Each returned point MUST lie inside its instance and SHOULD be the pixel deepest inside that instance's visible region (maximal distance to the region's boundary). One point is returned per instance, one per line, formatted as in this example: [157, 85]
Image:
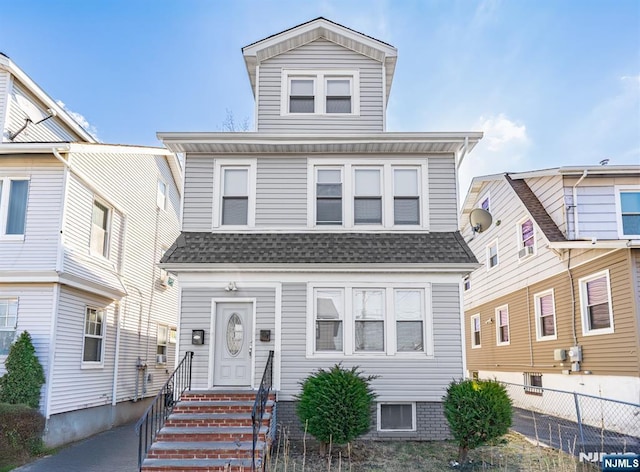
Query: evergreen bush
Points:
[335, 405]
[21, 430]
[24, 377]
[477, 411]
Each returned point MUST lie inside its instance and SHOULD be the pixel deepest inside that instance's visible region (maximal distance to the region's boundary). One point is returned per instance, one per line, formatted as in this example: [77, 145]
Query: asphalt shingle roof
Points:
[317, 248]
[536, 210]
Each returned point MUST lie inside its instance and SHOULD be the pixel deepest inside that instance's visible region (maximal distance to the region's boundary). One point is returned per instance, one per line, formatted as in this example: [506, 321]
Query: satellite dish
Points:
[480, 220]
[33, 112]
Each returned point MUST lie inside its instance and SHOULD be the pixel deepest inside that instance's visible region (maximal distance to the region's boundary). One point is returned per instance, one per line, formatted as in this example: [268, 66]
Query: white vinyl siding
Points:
[595, 304]
[321, 55]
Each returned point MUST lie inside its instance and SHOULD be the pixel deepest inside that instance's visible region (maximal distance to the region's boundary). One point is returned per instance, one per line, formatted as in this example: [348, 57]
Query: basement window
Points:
[396, 416]
[533, 383]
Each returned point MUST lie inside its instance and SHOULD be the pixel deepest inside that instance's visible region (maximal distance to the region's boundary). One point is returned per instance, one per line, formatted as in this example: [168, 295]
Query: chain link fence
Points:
[583, 425]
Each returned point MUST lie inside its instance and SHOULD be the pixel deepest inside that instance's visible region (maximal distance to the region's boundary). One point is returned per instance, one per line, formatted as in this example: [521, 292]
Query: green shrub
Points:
[477, 411]
[335, 404]
[24, 377]
[21, 430]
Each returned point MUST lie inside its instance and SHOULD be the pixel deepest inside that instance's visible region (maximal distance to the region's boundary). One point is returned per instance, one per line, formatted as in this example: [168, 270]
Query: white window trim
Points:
[319, 78]
[583, 304]
[618, 190]
[389, 322]
[166, 344]
[348, 190]
[15, 328]
[520, 241]
[536, 298]
[473, 344]
[109, 228]
[93, 364]
[413, 417]
[220, 164]
[485, 196]
[487, 257]
[4, 207]
[497, 318]
[166, 194]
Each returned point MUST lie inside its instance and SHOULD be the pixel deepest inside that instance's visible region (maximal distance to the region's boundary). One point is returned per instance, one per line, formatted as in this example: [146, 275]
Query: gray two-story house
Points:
[322, 237]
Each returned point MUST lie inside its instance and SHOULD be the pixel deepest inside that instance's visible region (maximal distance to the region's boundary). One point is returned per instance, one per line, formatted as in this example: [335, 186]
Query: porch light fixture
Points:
[231, 287]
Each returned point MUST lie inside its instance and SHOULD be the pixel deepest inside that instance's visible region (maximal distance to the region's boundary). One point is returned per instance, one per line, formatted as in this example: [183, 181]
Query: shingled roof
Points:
[536, 210]
[318, 248]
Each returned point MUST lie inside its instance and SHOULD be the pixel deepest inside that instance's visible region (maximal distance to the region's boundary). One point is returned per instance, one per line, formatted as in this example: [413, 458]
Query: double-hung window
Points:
[475, 331]
[161, 344]
[8, 323]
[595, 303]
[330, 92]
[406, 197]
[367, 199]
[368, 314]
[628, 203]
[329, 197]
[545, 315]
[94, 327]
[408, 307]
[492, 255]
[100, 221]
[235, 196]
[13, 207]
[502, 325]
[328, 315]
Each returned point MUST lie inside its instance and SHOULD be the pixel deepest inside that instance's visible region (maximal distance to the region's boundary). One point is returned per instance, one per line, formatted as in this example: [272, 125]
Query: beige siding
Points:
[320, 55]
[38, 250]
[605, 354]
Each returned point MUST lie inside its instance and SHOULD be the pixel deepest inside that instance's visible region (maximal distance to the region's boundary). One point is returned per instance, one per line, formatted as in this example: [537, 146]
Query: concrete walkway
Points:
[111, 451]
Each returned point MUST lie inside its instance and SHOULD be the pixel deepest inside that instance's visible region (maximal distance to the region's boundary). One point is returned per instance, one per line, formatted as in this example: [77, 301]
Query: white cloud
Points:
[632, 79]
[502, 149]
[80, 119]
[500, 132]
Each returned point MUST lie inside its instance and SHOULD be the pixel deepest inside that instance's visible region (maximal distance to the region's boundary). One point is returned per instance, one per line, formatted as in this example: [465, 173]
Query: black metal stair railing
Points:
[162, 405]
[260, 404]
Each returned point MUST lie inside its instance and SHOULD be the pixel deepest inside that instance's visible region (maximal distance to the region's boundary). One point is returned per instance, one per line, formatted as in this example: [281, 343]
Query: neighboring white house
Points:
[322, 237]
[556, 303]
[82, 227]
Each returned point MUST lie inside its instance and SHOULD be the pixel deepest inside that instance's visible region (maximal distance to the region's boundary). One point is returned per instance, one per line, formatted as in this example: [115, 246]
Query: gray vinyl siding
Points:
[51, 130]
[281, 193]
[130, 180]
[35, 309]
[596, 211]
[399, 379]
[198, 193]
[72, 386]
[4, 95]
[320, 55]
[443, 209]
[196, 314]
[38, 250]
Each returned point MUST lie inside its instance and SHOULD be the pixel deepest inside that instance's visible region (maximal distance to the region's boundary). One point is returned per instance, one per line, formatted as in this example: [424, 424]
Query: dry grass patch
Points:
[512, 453]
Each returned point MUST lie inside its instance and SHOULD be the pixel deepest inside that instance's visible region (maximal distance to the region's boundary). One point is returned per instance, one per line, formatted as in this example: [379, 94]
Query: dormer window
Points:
[320, 92]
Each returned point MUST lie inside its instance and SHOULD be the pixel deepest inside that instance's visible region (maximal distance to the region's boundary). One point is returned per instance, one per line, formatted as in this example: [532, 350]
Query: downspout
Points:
[114, 390]
[529, 326]
[576, 232]
[573, 300]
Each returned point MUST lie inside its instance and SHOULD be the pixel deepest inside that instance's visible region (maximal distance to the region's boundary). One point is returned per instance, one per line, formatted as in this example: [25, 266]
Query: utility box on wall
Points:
[575, 354]
[197, 336]
[560, 355]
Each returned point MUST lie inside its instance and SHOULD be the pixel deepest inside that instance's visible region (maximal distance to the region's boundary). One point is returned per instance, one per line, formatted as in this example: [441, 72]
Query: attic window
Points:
[320, 92]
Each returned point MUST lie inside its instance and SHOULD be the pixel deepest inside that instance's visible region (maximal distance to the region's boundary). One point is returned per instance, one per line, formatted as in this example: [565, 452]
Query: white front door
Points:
[233, 344]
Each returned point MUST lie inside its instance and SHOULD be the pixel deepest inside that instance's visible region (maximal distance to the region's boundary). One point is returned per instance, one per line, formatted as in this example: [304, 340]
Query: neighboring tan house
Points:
[322, 237]
[82, 227]
[556, 303]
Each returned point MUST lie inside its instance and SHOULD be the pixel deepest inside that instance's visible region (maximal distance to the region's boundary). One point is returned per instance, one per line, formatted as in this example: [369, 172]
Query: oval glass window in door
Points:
[235, 335]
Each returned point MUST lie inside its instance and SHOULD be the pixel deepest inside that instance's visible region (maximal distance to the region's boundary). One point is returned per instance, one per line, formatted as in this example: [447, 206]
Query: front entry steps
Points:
[210, 431]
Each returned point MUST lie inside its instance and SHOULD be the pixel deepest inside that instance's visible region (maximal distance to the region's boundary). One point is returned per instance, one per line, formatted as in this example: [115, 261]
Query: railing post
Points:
[578, 416]
[190, 365]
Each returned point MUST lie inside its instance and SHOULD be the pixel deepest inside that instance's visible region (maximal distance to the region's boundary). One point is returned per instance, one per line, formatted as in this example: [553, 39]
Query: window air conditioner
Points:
[161, 359]
[165, 280]
[525, 252]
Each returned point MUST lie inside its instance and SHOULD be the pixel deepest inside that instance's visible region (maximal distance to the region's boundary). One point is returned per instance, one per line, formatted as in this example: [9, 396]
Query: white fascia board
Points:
[474, 189]
[42, 277]
[611, 244]
[8, 65]
[335, 268]
[33, 148]
[91, 287]
[600, 170]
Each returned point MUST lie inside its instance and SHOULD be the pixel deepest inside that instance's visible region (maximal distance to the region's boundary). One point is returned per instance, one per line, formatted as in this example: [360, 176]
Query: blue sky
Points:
[549, 82]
